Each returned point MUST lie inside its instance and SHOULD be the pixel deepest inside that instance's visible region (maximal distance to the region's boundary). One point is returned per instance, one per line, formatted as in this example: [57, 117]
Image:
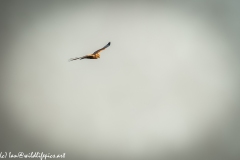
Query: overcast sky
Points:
[166, 88]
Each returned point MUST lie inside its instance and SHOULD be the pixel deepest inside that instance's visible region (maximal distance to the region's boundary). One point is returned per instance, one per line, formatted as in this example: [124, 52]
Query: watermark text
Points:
[40, 155]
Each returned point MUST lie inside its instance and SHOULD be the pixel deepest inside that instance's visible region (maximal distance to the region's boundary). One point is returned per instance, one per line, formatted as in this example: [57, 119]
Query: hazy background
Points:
[167, 88]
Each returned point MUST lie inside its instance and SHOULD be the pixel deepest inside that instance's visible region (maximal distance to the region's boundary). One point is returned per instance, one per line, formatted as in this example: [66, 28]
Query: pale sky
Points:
[166, 88]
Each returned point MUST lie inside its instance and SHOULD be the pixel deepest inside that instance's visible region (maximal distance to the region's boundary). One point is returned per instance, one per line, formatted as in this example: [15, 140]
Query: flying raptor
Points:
[95, 55]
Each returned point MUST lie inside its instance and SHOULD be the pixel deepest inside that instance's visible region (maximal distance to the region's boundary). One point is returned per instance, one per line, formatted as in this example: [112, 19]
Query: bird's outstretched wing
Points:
[72, 59]
[109, 43]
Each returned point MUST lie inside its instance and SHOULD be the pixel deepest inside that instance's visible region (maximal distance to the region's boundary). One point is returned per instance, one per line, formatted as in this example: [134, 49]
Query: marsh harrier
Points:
[95, 55]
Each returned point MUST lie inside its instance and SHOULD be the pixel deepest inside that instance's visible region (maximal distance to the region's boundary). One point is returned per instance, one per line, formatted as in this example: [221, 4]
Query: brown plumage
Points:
[95, 55]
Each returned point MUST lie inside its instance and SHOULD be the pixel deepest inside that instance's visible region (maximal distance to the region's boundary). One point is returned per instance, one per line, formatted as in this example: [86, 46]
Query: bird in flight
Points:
[95, 55]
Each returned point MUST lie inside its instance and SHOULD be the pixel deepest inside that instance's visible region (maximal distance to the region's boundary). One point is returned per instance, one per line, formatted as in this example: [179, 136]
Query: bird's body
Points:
[95, 55]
